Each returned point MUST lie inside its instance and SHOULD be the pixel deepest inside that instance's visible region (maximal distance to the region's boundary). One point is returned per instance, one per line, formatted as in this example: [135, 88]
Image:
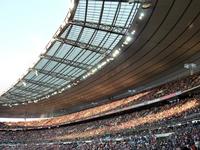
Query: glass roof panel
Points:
[63, 50]
[94, 10]
[86, 35]
[109, 12]
[41, 63]
[47, 78]
[95, 59]
[74, 32]
[84, 56]
[51, 65]
[100, 36]
[80, 11]
[76, 49]
[54, 48]
[75, 53]
[66, 31]
[132, 14]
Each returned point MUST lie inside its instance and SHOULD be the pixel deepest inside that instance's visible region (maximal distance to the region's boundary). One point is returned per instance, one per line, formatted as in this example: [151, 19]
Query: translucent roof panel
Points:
[87, 39]
[109, 12]
[74, 32]
[94, 11]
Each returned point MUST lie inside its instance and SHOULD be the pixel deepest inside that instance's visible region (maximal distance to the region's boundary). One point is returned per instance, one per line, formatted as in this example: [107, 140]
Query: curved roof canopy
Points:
[87, 40]
[151, 44]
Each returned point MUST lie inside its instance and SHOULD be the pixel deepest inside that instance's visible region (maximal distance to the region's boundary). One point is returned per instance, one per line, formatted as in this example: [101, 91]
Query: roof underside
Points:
[166, 38]
[86, 40]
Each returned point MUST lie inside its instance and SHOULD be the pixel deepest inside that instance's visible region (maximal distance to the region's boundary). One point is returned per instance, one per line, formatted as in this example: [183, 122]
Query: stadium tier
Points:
[144, 98]
[117, 74]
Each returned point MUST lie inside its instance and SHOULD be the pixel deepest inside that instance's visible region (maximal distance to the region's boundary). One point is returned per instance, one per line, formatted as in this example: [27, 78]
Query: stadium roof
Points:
[104, 47]
[86, 41]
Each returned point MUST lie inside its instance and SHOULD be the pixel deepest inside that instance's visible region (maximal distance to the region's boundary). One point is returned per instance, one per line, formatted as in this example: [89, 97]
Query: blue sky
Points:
[26, 26]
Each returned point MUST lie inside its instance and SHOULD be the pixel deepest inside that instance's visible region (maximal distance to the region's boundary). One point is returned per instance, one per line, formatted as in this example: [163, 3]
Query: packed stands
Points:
[168, 124]
[186, 136]
[154, 116]
[102, 49]
[162, 91]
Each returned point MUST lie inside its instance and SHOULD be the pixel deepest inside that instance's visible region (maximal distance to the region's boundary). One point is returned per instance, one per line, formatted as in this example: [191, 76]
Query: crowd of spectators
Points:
[186, 136]
[167, 125]
[163, 90]
[133, 121]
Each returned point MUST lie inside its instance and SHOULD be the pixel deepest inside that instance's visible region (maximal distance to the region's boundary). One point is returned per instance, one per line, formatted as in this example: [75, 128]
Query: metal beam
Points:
[103, 27]
[18, 95]
[112, 0]
[14, 98]
[55, 74]
[4, 99]
[81, 45]
[43, 84]
[28, 90]
[67, 62]
[125, 1]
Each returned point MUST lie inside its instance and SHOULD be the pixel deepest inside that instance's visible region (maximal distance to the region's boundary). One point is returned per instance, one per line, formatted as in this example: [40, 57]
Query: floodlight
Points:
[24, 83]
[141, 16]
[146, 5]
[133, 32]
[115, 53]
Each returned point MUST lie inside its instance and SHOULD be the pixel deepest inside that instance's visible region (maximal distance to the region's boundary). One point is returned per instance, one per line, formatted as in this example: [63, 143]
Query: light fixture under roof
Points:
[115, 53]
[141, 16]
[35, 101]
[36, 72]
[191, 67]
[24, 83]
[71, 5]
[133, 32]
[146, 5]
[94, 70]
[42, 55]
[128, 39]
